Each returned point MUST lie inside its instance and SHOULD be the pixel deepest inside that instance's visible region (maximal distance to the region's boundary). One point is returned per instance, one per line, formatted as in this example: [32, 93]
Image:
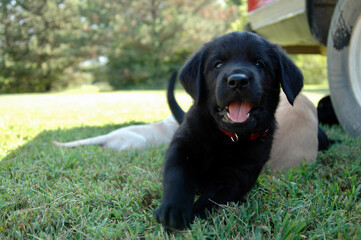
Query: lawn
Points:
[93, 193]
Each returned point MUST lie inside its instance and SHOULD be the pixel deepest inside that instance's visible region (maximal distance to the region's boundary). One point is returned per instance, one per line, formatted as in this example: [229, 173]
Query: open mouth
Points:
[236, 112]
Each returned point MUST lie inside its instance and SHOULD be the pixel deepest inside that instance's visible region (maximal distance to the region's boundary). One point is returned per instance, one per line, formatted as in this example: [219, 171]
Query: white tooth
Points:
[248, 115]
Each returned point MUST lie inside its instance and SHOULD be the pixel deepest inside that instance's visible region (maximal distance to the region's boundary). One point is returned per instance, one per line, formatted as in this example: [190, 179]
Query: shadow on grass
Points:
[50, 191]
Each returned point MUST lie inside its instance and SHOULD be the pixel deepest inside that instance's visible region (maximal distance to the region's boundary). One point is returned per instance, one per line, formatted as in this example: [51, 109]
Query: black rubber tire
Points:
[345, 96]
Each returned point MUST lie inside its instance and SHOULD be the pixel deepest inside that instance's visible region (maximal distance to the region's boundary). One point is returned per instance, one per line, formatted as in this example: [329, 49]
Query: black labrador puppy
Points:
[226, 137]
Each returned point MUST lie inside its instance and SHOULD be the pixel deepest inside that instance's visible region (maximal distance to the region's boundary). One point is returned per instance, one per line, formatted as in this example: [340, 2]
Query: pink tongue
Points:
[238, 112]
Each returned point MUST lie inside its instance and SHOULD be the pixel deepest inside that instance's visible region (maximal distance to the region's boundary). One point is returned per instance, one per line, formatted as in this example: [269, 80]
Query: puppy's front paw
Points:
[172, 216]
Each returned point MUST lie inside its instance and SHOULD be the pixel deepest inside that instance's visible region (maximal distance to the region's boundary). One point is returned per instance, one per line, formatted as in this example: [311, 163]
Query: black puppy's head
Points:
[237, 77]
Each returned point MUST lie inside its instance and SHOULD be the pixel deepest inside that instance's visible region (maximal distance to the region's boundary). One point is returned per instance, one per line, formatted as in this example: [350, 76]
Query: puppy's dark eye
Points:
[218, 65]
[260, 64]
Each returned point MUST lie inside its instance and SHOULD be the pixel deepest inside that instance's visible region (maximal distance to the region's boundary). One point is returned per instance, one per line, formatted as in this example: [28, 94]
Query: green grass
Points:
[92, 193]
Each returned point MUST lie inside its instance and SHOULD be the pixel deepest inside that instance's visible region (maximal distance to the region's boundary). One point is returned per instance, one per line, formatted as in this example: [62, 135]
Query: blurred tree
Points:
[48, 44]
[42, 42]
[151, 38]
[38, 41]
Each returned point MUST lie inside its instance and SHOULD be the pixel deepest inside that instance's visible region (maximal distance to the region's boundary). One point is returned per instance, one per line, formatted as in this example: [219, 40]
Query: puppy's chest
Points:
[234, 155]
[226, 164]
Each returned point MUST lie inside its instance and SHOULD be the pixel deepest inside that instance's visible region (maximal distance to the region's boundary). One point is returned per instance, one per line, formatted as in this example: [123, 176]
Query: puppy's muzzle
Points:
[238, 81]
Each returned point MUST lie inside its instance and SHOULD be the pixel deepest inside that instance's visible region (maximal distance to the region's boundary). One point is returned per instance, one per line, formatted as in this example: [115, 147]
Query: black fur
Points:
[326, 115]
[203, 160]
[324, 142]
[176, 110]
[325, 112]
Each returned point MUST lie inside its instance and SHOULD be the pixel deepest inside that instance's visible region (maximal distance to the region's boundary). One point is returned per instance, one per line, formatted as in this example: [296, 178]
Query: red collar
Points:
[253, 136]
[233, 136]
[257, 135]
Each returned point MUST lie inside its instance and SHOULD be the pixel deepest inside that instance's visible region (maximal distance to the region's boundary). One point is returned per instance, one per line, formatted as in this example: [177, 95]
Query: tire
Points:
[344, 64]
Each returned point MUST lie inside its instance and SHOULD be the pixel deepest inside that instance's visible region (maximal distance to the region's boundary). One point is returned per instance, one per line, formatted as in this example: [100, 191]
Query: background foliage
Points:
[39, 40]
[49, 45]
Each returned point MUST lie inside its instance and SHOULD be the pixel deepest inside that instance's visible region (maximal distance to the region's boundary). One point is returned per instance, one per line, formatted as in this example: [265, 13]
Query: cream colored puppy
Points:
[295, 140]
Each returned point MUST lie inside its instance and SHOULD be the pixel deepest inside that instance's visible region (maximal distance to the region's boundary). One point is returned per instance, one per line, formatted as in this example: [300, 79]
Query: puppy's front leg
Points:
[176, 211]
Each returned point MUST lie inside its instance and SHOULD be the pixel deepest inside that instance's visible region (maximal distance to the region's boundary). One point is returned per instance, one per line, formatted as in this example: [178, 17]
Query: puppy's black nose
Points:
[238, 80]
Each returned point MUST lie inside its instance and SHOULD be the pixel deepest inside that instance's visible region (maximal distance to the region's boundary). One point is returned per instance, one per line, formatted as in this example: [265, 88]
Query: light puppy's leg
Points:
[131, 137]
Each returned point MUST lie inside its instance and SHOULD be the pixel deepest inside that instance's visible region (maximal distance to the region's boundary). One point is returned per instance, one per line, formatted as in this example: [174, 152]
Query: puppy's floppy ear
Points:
[291, 77]
[191, 76]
